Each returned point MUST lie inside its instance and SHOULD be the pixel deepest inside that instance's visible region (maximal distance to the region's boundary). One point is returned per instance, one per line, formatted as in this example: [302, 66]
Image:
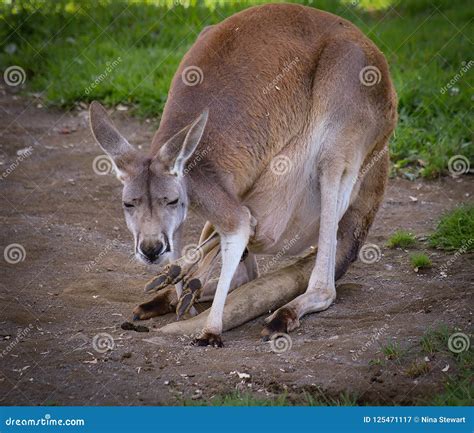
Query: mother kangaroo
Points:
[276, 128]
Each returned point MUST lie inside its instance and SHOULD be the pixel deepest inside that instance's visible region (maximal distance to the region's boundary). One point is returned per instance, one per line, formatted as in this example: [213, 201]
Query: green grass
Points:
[65, 45]
[455, 230]
[401, 239]
[420, 261]
[418, 368]
[392, 351]
[239, 399]
[248, 399]
[377, 361]
[435, 340]
[458, 387]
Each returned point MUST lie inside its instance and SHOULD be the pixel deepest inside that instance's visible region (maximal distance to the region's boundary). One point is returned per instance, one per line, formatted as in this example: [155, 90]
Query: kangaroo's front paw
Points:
[158, 306]
[171, 274]
[191, 291]
[208, 339]
[280, 322]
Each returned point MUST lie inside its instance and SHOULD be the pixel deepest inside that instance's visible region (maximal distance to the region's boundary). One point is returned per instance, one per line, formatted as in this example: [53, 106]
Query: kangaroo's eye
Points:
[128, 205]
[172, 203]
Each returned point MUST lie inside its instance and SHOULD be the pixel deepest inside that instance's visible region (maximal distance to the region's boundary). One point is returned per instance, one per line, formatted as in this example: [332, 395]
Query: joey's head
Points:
[154, 196]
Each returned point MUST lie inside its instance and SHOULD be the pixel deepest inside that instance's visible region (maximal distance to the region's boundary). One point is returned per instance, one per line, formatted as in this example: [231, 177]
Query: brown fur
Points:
[279, 80]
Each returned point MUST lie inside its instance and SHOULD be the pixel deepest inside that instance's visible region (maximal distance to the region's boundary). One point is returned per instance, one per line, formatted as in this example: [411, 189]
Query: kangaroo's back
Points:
[256, 73]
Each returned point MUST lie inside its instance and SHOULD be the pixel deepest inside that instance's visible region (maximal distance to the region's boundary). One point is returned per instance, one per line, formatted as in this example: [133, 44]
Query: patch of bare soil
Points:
[62, 306]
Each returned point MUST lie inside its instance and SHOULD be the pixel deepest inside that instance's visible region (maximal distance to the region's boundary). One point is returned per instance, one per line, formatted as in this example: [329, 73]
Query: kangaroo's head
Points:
[154, 197]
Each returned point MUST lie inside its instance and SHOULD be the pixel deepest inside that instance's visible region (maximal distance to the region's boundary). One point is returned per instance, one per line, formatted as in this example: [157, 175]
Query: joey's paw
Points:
[208, 339]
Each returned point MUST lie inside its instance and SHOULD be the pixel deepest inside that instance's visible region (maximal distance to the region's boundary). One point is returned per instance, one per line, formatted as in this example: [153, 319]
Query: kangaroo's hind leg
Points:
[356, 222]
[351, 233]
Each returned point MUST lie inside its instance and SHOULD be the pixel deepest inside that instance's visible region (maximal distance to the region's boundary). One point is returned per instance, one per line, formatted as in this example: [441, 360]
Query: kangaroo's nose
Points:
[152, 250]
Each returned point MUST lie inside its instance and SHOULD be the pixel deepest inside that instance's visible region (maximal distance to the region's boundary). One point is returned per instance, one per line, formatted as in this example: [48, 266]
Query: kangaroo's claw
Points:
[171, 275]
[208, 339]
[190, 293]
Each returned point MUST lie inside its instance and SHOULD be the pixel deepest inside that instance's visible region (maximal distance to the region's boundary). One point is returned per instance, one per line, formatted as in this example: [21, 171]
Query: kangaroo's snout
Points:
[153, 250]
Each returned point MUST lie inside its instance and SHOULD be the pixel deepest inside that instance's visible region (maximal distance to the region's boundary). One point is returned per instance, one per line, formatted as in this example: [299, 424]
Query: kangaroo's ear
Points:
[179, 148]
[120, 151]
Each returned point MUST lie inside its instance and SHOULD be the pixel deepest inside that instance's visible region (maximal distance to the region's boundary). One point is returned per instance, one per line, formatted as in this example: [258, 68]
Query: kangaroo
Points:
[289, 112]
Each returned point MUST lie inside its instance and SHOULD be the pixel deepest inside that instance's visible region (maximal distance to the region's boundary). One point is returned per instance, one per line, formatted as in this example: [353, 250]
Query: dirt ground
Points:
[77, 282]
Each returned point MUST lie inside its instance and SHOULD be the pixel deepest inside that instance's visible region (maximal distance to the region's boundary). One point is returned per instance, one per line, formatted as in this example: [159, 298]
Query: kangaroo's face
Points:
[154, 197]
[155, 204]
